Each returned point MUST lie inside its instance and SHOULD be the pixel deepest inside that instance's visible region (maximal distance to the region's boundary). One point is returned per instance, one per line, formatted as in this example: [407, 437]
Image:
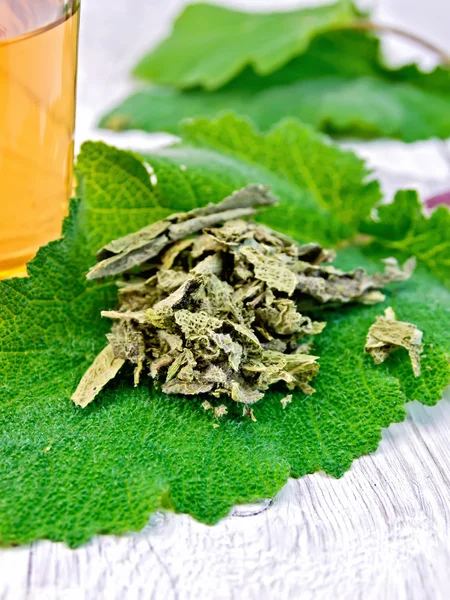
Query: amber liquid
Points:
[38, 63]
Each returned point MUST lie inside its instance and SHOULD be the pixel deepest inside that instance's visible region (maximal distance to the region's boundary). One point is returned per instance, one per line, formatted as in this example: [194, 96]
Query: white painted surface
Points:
[380, 532]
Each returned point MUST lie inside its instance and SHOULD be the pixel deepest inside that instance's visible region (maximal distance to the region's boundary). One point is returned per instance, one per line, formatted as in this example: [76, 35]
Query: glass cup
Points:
[38, 66]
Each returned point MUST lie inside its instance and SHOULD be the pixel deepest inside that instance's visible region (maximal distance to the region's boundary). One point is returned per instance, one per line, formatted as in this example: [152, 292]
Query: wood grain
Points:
[380, 532]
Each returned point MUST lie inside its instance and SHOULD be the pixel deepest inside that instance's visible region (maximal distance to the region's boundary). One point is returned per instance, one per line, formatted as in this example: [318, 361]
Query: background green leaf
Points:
[209, 44]
[402, 228]
[66, 473]
[324, 191]
[339, 85]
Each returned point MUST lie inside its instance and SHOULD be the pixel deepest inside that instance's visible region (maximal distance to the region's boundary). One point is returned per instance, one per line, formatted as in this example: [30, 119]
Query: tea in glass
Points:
[38, 65]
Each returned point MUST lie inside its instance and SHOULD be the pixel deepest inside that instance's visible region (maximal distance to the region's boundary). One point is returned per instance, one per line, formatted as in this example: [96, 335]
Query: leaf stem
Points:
[366, 25]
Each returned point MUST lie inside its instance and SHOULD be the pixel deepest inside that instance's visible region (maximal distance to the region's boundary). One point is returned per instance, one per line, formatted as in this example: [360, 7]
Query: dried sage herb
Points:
[104, 368]
[212, 304]
[387, 334]
[139, 247]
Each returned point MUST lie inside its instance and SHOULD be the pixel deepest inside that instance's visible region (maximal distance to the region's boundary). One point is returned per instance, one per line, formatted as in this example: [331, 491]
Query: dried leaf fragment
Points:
[104, 368]
[286, 400]
[271, 270]
[219, 411]
[328, 285]
[248, 412]
[388, 334]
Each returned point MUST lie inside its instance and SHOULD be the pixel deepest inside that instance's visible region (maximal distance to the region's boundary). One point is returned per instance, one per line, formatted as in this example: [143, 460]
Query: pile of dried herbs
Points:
[212, 304]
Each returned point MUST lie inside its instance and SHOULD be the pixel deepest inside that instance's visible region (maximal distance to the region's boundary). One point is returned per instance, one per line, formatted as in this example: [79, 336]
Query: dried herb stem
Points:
[367, 25]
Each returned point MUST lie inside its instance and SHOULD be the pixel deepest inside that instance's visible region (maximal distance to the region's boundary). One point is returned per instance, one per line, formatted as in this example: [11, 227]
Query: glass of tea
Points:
[38, 65]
